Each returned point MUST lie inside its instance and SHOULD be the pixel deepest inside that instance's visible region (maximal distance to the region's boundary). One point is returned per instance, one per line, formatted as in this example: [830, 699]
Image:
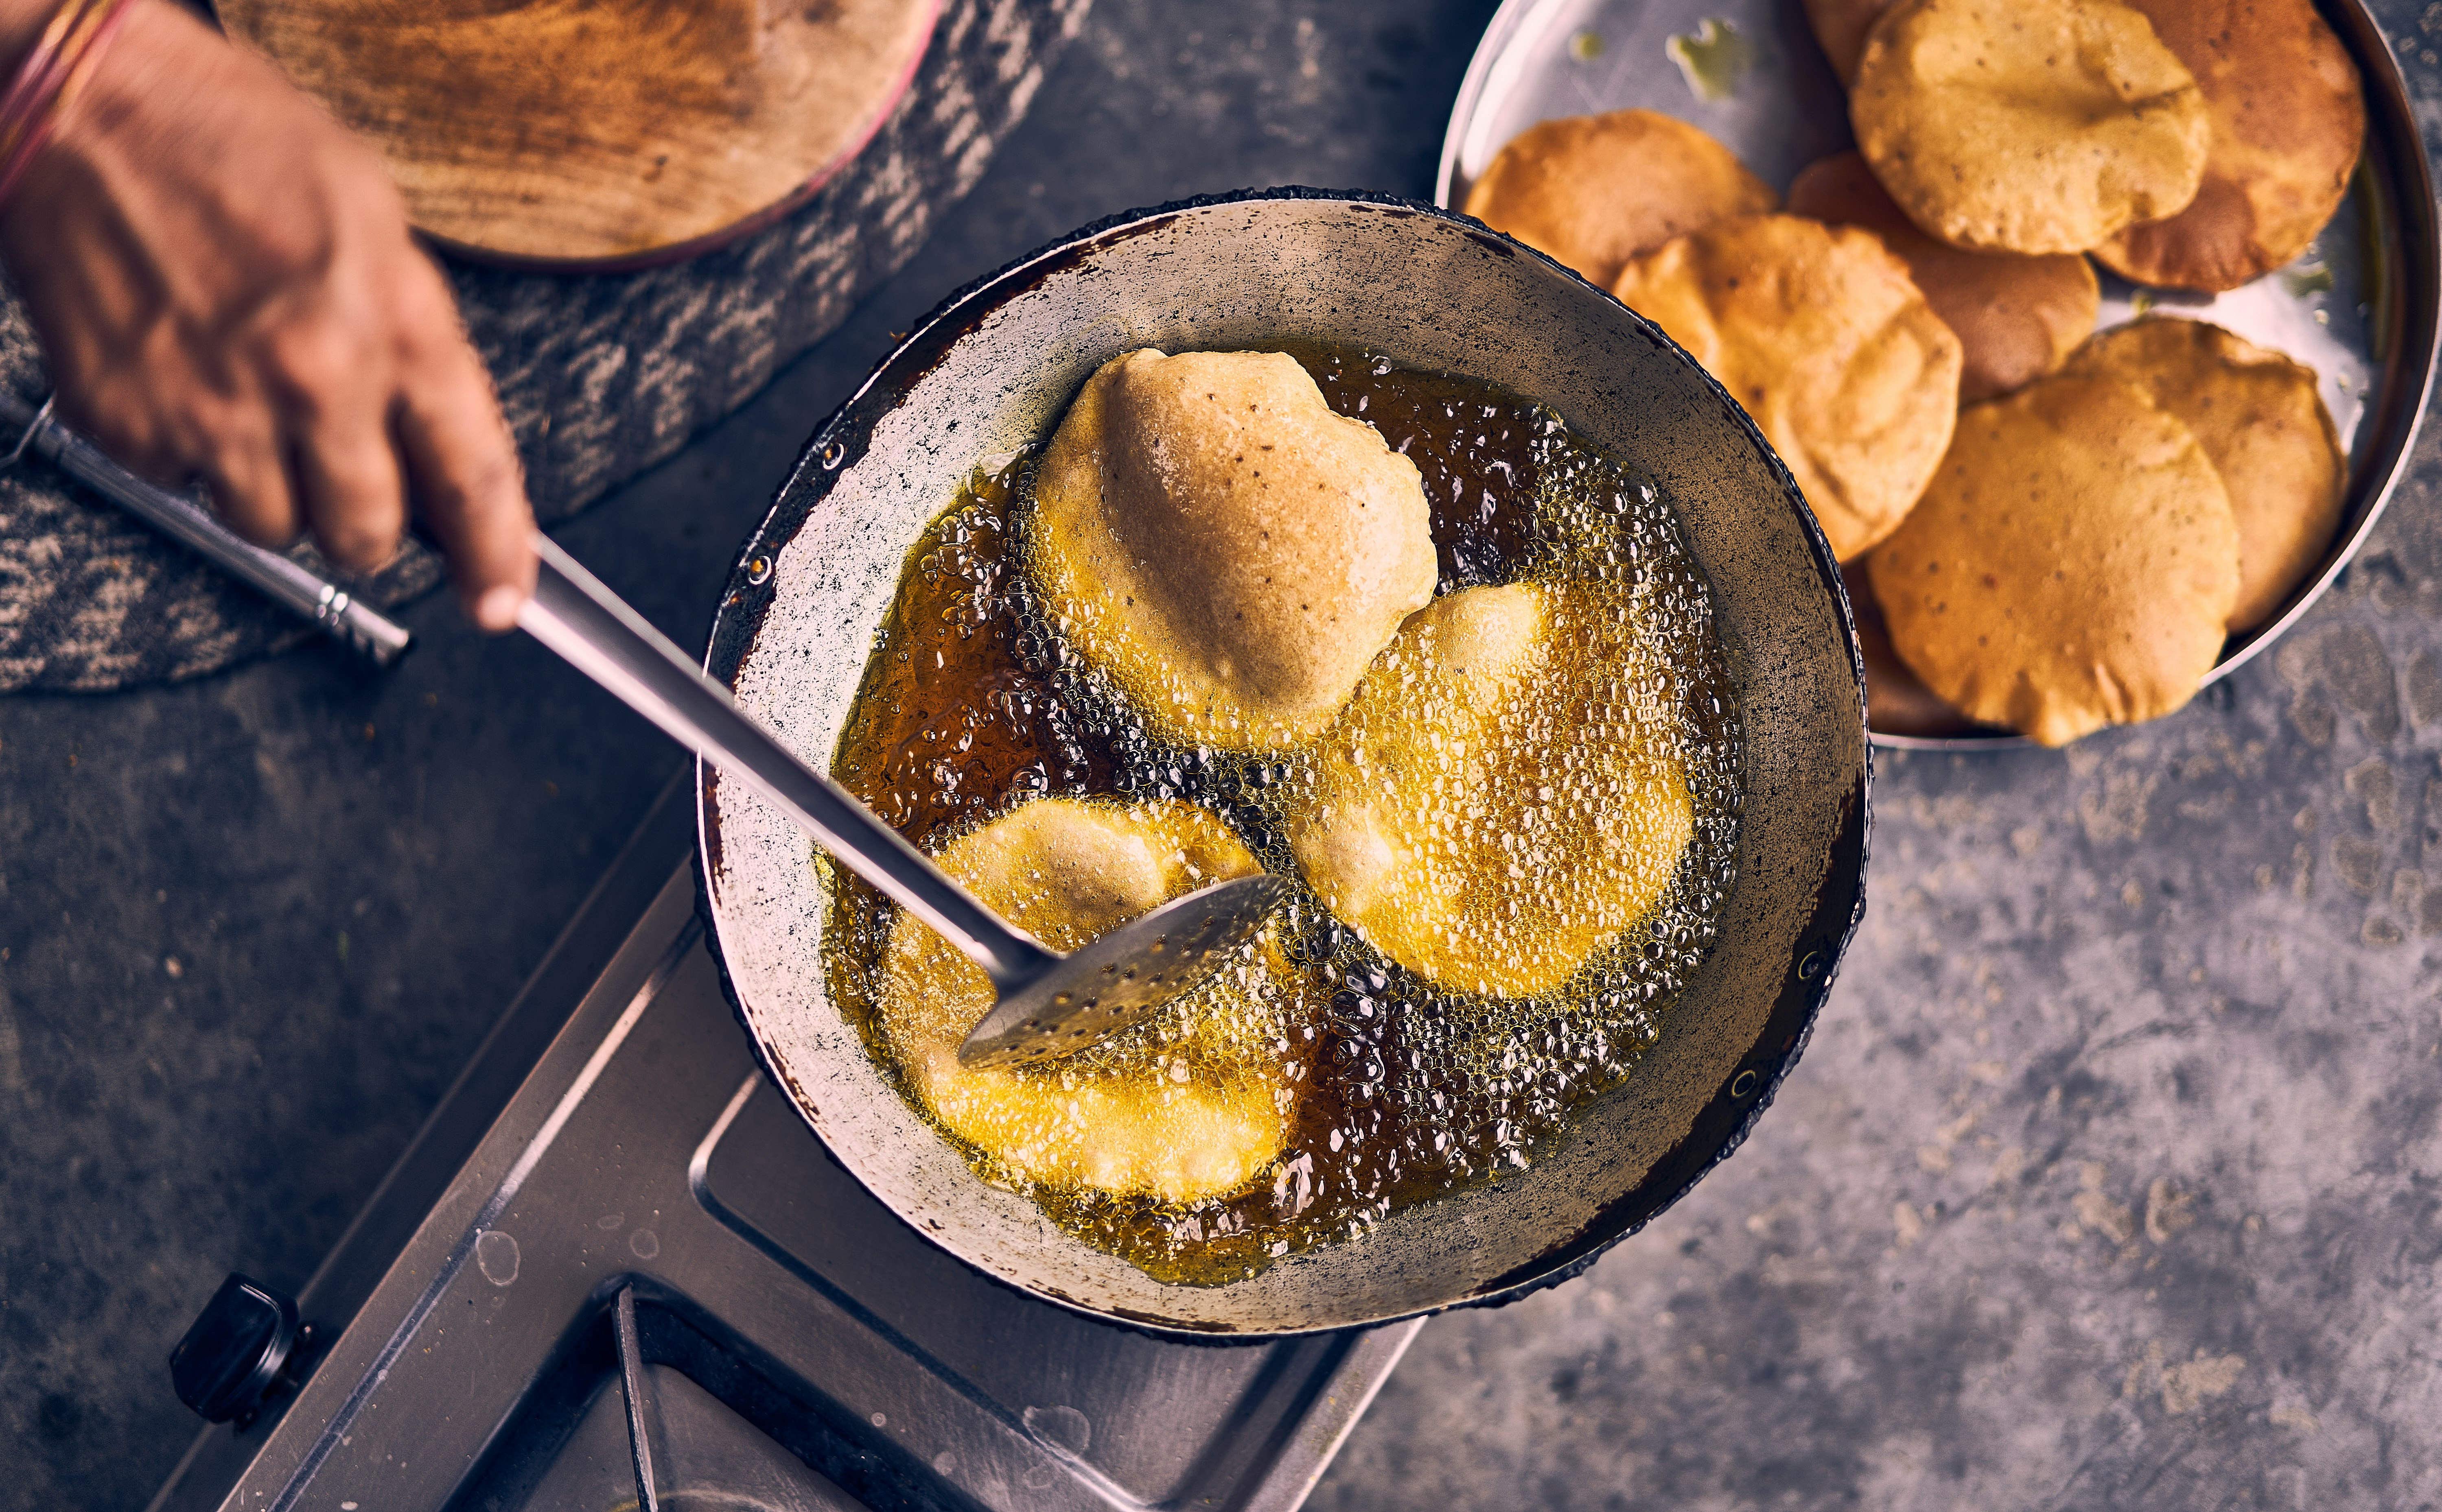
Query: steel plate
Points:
[2359, 307]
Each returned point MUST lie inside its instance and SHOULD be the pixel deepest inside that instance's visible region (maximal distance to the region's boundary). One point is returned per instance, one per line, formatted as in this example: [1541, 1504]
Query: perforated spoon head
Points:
[1124, 976]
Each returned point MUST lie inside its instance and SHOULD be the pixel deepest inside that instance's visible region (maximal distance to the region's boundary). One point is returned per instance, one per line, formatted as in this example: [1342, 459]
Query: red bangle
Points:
[47, 80]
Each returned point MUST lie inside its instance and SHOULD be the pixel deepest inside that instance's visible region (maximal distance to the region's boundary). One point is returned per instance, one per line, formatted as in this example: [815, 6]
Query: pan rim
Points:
[1726, 1117]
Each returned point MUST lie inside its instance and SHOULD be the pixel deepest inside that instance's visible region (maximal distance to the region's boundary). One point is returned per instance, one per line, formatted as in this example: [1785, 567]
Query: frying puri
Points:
[2288, 119]
[2016, 317]
[1398, 1088]
[2031, 126]
[1188, 1105]
[1498, 803]
[1595, 191]
[2262, 422]
[2075, 564]
[1229, 551]
[1824, 337]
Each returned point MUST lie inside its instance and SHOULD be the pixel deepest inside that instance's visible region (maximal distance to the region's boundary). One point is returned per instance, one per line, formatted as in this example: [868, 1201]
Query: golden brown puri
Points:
[2287, 120]
[2072, 566]
[1840, 25]
[2016, 317]
[2028, 127]
[1595, 191]
[1897, 700]
[1491, 809]
[1227, 549]
[2262, 422]
[1189, 1104]
[1820, 333]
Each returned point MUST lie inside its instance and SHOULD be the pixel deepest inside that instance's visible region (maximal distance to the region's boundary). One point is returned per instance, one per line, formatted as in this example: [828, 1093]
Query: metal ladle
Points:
[1051, 1005]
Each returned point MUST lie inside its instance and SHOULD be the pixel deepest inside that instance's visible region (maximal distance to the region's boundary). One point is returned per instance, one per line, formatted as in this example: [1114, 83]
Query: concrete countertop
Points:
[2112, 1178]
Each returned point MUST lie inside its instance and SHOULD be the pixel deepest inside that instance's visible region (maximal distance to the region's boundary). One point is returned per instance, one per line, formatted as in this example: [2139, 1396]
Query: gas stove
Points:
[616, 1270]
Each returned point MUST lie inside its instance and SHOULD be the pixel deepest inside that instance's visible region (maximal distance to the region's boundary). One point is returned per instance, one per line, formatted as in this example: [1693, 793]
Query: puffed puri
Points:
[1822, 335]
[2016, 317]
[1229, 551]
[2261, 420]
[1499, 803]
[2031, 126]
[2289, 120]
[1595, 191]
[1185, 1106]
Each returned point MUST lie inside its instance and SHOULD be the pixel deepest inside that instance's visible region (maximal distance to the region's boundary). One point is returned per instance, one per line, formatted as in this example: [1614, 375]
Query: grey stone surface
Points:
[2109, 1181]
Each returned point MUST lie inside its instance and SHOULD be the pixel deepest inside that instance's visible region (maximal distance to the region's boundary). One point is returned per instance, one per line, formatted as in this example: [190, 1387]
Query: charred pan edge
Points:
[841, 440]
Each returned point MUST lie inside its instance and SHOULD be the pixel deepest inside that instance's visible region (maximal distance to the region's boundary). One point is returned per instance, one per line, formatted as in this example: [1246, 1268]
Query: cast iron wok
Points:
[988, 375]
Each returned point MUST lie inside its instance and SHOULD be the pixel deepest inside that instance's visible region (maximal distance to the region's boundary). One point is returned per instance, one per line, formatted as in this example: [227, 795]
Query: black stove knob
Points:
[235, 1351]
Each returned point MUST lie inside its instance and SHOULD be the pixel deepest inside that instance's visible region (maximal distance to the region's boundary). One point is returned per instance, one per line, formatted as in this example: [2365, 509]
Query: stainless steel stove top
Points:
[616, 1270]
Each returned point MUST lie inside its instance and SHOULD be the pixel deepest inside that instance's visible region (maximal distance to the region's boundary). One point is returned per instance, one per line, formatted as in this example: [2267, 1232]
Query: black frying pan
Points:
[989, 373]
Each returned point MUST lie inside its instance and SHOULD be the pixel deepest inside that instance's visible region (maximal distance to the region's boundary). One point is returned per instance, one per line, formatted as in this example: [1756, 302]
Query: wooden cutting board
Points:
[598, 134]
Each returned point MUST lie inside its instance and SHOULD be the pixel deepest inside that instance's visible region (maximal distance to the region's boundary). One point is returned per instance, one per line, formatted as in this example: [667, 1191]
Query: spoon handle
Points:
[372, 634]
[599, 635]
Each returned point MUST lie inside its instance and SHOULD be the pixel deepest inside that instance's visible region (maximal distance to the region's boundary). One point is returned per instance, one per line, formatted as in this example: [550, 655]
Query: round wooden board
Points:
[598, 134]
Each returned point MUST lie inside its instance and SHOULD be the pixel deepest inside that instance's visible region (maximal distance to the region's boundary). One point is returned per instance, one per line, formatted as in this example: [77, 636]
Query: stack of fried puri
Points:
[2287, 120]
[2192, 143]
[1850, 352]
[2091, 540]
[2262, 425]
[2196, 143]
[2073, 565]
[1821, 334]
[2016, 317]
[2093, 495]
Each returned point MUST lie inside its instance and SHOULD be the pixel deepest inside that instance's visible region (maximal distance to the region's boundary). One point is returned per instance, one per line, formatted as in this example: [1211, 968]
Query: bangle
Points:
[47, 80]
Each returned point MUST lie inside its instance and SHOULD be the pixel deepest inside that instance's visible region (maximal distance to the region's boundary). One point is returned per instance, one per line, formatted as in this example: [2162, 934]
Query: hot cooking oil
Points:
[1408, 1088]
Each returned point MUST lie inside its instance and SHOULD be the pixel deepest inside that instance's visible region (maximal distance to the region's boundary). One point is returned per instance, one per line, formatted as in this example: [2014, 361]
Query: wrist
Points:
[41, 99]
[21, 23]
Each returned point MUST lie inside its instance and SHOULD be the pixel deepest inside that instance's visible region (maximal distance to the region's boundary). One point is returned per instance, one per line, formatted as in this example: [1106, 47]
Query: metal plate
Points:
[2359, 307]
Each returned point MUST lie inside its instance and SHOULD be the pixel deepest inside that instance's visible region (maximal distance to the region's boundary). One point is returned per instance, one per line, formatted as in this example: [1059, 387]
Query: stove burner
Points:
[616, 1270]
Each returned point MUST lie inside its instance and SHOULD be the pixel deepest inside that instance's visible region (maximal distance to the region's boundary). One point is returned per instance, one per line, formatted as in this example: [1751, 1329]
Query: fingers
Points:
[332, 391]
[463, 466]
[312, 452]
[248, 476]
[298, 439]
[355, 499]
[237, 448]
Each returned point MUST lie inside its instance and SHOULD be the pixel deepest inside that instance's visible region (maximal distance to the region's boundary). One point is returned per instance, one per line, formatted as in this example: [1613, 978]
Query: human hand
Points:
[225, 287]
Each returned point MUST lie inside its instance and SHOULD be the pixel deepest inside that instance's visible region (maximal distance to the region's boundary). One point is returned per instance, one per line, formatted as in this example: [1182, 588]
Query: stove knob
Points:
[235, 1351]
